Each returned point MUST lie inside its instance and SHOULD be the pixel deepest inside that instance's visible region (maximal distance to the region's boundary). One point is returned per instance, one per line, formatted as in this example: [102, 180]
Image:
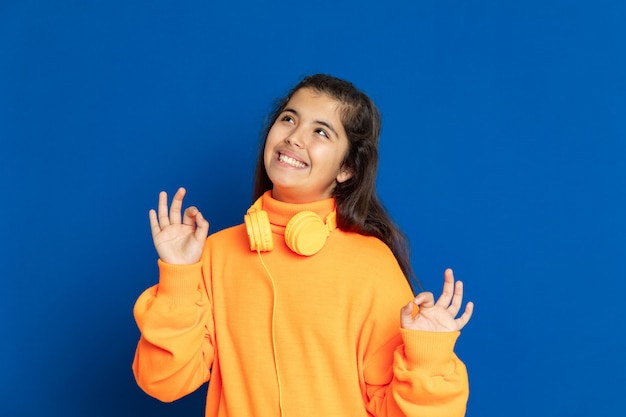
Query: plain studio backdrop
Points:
[503, 156]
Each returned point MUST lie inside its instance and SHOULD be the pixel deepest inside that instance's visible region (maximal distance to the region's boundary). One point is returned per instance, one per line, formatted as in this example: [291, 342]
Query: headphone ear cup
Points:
[259, 231]
[306, 233]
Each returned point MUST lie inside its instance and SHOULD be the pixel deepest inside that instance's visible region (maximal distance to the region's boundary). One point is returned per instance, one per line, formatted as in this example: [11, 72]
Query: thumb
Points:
[202, 230]
[406, 315]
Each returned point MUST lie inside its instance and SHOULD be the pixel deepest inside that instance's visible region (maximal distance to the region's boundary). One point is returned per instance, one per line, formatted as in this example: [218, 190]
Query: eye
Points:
[287, 118]
[322, 132]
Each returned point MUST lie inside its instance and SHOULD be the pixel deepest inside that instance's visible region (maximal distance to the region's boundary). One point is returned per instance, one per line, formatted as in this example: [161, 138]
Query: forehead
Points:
[307, 99]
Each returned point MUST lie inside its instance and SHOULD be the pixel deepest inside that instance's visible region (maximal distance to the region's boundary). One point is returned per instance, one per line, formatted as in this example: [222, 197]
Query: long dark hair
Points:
[358, 207]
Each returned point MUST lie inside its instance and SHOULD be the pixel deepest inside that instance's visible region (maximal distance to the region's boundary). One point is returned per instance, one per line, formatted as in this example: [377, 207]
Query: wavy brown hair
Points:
[358, 207]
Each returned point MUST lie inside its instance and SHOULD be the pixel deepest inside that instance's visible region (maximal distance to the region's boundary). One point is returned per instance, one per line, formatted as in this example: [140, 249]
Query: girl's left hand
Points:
[439, 316]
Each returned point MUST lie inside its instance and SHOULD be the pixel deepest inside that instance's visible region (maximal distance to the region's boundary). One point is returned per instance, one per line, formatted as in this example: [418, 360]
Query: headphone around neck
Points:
[305, 233]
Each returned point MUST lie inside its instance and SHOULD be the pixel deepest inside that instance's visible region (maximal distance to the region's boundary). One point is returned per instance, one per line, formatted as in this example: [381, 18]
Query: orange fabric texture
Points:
[314, 335]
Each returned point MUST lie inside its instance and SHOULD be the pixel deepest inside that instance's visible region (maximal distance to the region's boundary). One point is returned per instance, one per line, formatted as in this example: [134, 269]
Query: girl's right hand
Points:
[178, 239]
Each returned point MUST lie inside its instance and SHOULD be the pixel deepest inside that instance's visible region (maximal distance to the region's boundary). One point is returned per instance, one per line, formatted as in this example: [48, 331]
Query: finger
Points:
[465, 317]
[202, 231]
[164, 219]
[448, 289]
[154, 223]
[190, 215]
[177, 206]
[457, 299]
[425, 300]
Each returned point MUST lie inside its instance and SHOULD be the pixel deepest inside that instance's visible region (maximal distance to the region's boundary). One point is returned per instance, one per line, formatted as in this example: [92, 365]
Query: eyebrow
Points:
[320, 122]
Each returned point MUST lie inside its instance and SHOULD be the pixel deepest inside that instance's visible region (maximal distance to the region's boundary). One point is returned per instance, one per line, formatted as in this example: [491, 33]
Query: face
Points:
[305, 148]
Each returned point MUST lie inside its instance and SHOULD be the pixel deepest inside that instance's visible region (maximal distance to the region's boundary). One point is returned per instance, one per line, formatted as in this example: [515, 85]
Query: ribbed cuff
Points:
[180, 283]
[429, 350]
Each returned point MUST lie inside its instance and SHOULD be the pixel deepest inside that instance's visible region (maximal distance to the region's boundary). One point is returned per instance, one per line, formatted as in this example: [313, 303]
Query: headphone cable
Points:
[280, 396]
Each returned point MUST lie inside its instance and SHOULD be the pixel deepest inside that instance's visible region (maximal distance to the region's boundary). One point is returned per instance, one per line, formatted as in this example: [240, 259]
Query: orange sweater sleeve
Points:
[428, 380]
[176, 348]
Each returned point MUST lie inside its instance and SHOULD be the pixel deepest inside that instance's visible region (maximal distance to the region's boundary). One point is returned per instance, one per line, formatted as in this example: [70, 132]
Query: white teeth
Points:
[289, 160]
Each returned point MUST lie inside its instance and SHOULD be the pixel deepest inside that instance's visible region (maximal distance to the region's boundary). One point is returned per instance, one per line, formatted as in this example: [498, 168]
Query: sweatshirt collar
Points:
[280, 212]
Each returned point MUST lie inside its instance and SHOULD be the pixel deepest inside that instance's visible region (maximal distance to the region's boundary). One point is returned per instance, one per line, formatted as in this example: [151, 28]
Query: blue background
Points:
[502, 155]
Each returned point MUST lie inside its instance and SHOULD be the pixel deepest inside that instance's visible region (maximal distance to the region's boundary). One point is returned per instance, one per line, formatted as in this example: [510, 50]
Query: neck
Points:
[295, 197]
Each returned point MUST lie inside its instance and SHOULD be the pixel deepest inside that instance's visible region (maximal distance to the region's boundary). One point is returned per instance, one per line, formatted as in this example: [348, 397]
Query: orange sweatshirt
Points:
[314, 335]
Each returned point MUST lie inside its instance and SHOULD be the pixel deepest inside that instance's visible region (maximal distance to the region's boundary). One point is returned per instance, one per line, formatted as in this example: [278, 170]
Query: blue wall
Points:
[503, 156]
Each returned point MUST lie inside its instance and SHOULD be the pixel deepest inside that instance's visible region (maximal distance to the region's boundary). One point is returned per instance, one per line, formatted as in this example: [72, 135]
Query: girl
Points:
[295, 311]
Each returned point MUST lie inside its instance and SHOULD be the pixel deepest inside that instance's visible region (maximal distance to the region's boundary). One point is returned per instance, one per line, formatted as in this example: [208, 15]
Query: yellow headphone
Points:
[305, 233]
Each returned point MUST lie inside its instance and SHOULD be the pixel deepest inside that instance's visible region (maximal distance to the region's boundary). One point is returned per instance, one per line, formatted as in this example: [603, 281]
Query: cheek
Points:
[271, 140]
[343, 156]
[331, 161]
[267, 153]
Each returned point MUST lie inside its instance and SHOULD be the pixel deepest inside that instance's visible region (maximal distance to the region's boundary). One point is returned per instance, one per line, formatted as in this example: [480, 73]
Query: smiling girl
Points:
[295, 311]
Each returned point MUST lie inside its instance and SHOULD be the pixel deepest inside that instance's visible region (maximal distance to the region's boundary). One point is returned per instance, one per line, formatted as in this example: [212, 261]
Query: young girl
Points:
[295, 311]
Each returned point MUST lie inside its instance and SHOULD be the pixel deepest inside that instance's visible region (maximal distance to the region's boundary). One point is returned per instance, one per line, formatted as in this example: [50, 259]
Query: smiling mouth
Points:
[290, 161]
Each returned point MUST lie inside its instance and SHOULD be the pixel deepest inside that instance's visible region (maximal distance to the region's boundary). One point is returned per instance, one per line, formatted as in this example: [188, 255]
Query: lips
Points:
[291, 161]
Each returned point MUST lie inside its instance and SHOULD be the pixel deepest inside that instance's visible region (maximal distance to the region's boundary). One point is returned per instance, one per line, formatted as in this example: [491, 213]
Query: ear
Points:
[344, 175]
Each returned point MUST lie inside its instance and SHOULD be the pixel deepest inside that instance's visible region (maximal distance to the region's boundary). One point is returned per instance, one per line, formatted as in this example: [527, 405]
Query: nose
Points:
[295, 139]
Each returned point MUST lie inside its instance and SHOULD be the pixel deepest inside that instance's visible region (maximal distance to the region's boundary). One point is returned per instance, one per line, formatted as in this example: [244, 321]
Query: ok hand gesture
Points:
[178, 239]
[439, 316]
